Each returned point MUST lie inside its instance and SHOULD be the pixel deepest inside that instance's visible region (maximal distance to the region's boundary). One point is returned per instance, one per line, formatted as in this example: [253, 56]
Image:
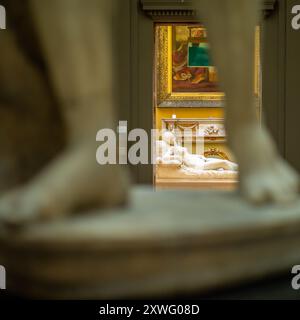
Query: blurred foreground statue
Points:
[55, 94]
[264, 176]
[71, 86]
[58, 65]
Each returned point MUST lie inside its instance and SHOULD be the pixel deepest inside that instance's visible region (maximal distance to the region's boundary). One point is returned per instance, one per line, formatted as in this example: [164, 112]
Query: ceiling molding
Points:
[166, 10]
[269, 6]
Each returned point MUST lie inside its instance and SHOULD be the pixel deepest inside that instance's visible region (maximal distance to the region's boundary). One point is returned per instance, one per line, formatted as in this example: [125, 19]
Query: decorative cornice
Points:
[169, 10]
[166, 10]
[172, 5]
[269, 6]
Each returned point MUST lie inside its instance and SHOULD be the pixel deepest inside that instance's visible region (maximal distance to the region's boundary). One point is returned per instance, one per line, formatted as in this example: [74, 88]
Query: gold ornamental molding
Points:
[212, 130]
[216, 153]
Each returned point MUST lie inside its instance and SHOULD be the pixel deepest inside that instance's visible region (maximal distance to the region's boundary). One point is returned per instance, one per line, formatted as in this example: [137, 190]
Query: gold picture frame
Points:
[164, 93]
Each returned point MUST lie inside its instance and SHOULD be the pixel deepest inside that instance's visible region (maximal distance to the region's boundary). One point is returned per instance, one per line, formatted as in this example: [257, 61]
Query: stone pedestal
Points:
[165, 242]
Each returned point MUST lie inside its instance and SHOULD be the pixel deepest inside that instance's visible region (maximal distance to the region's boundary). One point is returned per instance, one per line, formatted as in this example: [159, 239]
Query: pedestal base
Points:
[165, 242]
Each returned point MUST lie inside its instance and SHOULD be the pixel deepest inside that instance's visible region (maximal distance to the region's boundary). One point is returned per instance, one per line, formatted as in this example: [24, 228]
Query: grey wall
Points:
[292, 90]
[281, 86]
[133, 74]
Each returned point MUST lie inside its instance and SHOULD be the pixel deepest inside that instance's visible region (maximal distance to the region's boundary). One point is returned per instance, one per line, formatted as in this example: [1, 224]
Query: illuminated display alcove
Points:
[187, 96]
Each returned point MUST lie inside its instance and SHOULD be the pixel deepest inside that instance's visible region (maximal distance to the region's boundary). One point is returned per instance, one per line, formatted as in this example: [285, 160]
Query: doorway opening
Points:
[191, 149]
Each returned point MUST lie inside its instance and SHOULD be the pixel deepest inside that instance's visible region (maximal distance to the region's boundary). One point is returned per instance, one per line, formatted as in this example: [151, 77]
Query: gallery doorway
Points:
[188, 110]
[276, 55]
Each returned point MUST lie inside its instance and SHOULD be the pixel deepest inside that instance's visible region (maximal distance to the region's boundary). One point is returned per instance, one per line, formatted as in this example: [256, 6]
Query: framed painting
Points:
[184, 73]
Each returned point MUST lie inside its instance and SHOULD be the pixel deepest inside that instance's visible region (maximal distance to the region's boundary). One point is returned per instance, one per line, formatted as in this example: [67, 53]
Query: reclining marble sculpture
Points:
[170, 153]
[74, 83]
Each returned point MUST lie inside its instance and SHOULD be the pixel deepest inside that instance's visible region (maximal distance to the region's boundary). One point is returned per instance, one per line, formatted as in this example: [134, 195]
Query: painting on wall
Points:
[184, 72]
[192, 68]
[185, 75]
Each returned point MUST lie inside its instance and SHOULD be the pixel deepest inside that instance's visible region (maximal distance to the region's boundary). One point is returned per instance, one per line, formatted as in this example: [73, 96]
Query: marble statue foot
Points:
[265, 176]
[275, 183]
[73, 181]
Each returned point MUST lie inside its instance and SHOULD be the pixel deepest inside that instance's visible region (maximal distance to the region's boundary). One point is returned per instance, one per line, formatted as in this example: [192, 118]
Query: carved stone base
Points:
[165, 243]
